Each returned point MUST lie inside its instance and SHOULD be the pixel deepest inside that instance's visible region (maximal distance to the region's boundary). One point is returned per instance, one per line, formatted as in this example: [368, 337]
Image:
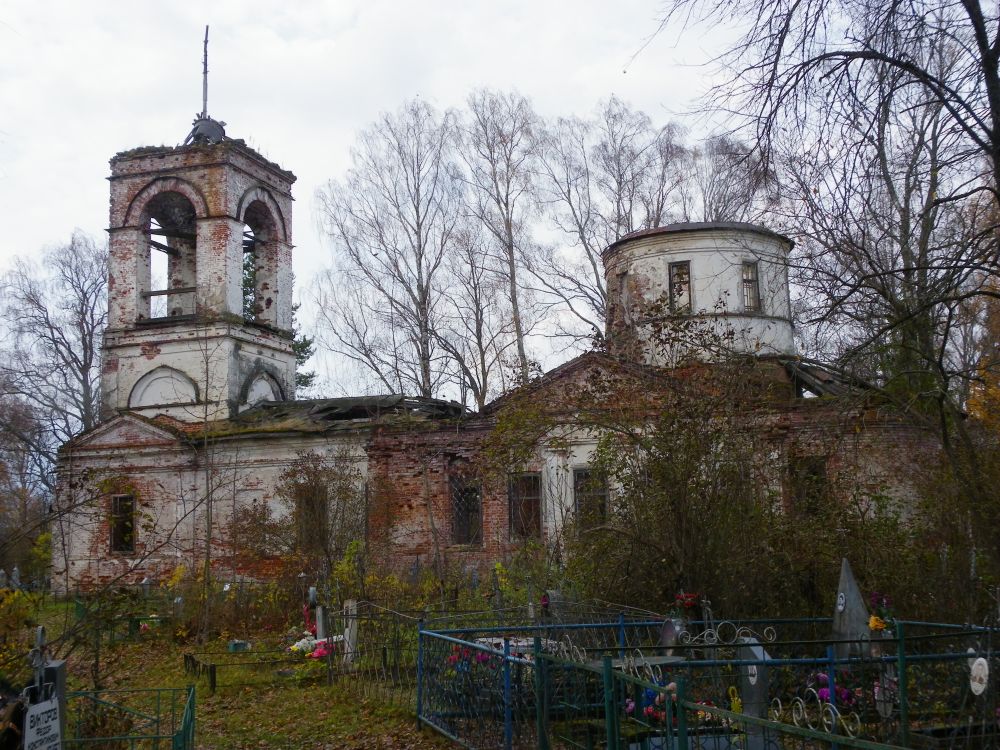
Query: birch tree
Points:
[599, 180]
[391, 221]
[496, 144]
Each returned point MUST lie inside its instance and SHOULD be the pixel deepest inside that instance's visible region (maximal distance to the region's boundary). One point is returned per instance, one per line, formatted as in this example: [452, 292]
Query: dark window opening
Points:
[524, 492]
[312, 518]
[122, 523]
[680, 287]
[808, 482]
[751, 288]
[590, 497]
[466, 504]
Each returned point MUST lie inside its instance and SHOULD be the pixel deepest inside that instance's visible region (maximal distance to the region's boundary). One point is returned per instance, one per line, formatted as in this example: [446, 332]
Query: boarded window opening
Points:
[590, 497]
[122, 523]
[524, 492]
[680, 287]
[466, 503]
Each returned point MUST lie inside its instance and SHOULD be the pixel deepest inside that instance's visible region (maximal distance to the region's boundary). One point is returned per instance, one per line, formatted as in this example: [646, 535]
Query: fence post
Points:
[211, 677]
[609, 703]
[682, 722]
[621, 635]
[831, 658]
[540, 729]
[904, 698]
[508, 717]
[420, 670]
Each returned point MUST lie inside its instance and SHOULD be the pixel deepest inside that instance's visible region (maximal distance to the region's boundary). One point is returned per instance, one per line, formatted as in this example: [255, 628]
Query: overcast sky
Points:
[80, 81]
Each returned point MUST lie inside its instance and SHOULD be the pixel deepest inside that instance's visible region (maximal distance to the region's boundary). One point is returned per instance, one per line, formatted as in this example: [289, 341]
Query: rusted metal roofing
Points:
[694, 226]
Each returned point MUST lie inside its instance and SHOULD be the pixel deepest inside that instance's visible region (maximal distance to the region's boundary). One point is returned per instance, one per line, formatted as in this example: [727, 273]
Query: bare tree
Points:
[23, 491]
[496, 145]
[600, 180]
[791, 49]
[478, 328]
[885, 269]
[391, 222]
[54, 317]
[725, 180]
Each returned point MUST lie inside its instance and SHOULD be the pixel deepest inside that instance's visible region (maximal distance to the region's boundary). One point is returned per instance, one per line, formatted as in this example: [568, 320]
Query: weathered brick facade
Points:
[200, 417]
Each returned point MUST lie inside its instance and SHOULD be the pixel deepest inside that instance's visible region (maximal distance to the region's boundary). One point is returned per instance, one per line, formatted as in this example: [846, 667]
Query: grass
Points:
[269, 713]
[276, 715]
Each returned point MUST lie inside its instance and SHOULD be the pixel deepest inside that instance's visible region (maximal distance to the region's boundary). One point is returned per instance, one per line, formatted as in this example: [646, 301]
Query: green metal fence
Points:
[153, 719]
[620, 685]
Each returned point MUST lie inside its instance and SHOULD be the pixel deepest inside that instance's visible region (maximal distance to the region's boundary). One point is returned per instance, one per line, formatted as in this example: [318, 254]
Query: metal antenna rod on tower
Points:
[204, 78]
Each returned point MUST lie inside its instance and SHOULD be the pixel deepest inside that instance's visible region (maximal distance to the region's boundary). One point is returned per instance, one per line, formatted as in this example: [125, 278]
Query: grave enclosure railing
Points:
[749, 685]
[373, 652]
[153, 719]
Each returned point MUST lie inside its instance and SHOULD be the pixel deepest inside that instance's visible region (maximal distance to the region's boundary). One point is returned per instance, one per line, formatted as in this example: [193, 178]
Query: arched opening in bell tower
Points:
[260, 265]
[168, 276]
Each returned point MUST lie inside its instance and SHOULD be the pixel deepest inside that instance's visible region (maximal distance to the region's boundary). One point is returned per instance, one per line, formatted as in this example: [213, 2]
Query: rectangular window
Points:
[312, 517]
[466, 514]
[807, 477]
[680, 287]
[524, 493]
[122, 523]
[751, 288]
[590, 496]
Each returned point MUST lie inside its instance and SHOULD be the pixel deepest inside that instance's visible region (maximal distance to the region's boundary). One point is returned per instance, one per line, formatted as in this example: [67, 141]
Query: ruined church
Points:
[200, 419]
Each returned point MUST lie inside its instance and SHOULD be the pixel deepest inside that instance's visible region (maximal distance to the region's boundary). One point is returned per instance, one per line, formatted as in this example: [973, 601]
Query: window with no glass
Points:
[680, 287]
[751, 288]
[590, 496]
[524, 493]
[808, 480]
[122, 523]
[466, 504]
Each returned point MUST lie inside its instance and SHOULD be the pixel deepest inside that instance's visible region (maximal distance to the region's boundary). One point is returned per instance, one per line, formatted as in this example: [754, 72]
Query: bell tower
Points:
[200, 279]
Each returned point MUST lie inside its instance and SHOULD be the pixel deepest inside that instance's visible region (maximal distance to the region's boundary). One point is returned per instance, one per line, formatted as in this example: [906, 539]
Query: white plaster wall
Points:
[638, 276]
[219, 358]
[173, 483]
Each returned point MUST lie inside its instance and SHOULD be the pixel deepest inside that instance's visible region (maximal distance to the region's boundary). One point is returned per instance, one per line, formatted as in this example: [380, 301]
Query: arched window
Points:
[260, 265]
[169, 282]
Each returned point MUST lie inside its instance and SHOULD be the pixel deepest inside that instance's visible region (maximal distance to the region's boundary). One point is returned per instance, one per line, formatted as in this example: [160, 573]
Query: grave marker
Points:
[42, 729]
[850, 616]
[754, 685]
[350, 630]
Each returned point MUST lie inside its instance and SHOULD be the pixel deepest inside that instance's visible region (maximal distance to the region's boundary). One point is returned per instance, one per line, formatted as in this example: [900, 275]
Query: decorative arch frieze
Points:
[260, 385]
[163, 386]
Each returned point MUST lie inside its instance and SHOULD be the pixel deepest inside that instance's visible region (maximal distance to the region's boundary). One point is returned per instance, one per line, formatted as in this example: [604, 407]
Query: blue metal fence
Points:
[620, 684]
